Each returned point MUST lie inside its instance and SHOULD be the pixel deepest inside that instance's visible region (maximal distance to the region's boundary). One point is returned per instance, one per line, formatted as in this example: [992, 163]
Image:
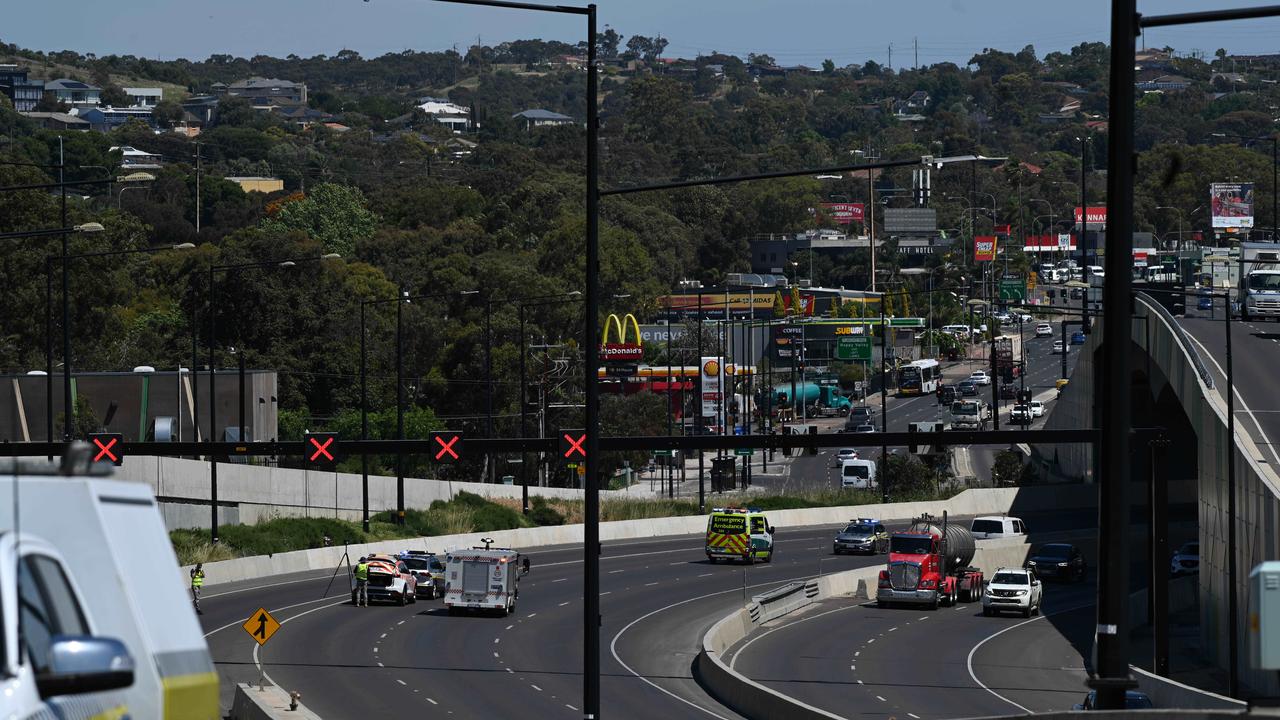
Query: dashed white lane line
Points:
[566, 602]
[535, 687]
[881, 699]
[650, 584]
[571, 707]
[615, 572]
[401, 682]
[913, 715]
[710, 574]
[860, 682]
[495, 641]
[871, 641]
[892, 629]
[400, 623]
[511, 671]
[381, 665]
[682, 562]
[856, 654]
[606, 592]
[384, 636]
[375, 648]
[508, 627]
[433, 702]
[495, 654]
[560, 580]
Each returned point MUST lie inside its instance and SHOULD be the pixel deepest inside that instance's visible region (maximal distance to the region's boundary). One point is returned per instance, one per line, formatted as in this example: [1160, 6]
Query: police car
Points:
[863, 535]
[428, 569]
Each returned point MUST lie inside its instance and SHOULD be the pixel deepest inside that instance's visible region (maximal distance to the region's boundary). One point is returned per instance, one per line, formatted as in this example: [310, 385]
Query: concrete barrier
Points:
[970, 502]
[270, 703]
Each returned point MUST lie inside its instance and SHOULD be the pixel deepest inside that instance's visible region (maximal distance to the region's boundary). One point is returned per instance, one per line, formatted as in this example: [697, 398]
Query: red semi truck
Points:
[929, 565]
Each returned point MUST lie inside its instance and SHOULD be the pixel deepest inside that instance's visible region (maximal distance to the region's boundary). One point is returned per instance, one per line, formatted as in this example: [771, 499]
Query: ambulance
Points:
[736, 533]
[483, 578]
[95, 619]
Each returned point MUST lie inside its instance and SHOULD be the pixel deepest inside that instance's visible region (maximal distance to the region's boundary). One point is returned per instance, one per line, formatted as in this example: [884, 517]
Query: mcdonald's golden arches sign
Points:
[622, 350]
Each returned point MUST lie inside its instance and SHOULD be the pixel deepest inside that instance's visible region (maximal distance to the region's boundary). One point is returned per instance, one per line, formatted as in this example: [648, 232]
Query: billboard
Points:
[622, 350]
[1097, 215]
[1232, 204]
[984, 248]
[844, 212]
[714, 303]
[921, 221]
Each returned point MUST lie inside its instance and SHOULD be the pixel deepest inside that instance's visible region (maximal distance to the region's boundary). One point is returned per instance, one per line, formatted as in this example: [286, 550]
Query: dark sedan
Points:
[968, 388]
[1061, 561]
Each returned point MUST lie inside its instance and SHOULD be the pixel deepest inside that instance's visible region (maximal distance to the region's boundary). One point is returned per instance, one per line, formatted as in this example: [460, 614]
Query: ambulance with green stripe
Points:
[95, 619]
[737, 533]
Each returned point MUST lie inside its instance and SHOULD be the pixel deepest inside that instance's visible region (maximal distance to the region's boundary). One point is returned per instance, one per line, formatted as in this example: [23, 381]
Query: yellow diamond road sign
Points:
[261, 626]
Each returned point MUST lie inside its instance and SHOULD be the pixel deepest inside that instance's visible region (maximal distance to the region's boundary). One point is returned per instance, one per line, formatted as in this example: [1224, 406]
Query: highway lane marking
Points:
[892, 629]
[511, 671]
[384, 636]
[857, 653]
[402, 682]
[433, 702]
[710, 574]
[871, 641]
[508, 627]
[738, 653]
[381, 665]
[606, 592]
[375, 648]
[495, 641]
[238, 623]
[560, 580]
[650, 584]
[913, 715]
[535, 687]
[615, 572]
[998, 633]
[881, 699]
[571, 707]
[532, 614]
[256, 648]
[495, 654]
[860, 682]
[1243, 404]
[566, 602]
[400, 623]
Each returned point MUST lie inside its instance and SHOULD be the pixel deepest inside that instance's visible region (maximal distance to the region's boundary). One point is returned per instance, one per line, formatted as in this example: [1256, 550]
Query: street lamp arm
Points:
[566, 9]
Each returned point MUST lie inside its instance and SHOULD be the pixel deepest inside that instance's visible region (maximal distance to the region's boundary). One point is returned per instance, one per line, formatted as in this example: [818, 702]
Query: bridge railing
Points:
[1179, 334]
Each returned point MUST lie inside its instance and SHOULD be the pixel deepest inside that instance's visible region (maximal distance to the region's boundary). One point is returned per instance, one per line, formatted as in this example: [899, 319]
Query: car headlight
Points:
[1019, 593]
[1031, 563]
[1062, 564]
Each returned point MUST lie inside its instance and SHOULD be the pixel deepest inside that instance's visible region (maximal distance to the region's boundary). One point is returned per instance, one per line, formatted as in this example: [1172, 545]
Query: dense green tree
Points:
[334, 215]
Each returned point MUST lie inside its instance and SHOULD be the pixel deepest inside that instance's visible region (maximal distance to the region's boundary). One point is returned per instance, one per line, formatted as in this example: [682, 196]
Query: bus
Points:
[919, 378]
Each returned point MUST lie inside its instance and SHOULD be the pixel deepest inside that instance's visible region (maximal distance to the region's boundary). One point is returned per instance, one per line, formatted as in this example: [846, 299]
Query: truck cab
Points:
[969, 415]
[929, 565]
[737, 533]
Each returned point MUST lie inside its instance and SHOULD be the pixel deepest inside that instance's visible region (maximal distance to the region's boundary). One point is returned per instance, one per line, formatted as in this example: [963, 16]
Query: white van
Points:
[107, 537]
[991, 526]
[858, 474]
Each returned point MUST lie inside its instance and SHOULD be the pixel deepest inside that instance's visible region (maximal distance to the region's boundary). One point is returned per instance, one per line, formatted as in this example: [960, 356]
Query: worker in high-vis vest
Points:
[360, 596]
[197, 582]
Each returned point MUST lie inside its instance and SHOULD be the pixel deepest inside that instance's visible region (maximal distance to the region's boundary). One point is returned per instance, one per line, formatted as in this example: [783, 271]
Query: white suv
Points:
[1015, 589]
[980, 377]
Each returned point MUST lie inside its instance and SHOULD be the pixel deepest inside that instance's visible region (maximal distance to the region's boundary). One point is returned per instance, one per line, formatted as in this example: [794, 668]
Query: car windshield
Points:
[859, 528]
[1266, 281]
[1011, 578]
[1019, 408]
[910, 544]
[858, 471]
[1061, 552]
[417, 563]
[962, 408]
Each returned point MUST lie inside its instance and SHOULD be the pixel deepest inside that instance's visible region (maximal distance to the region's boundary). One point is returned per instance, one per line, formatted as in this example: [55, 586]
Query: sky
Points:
[791, 31]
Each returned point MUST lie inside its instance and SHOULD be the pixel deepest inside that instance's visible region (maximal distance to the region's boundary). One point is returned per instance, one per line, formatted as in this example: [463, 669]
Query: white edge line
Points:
[733, 662]
[257, 647]
[272, 610]
[1261, 433]
[998, 633]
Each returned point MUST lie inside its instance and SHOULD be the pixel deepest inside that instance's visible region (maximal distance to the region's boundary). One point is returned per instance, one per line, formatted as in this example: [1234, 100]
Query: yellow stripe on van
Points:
[116, 713]
[191, 697]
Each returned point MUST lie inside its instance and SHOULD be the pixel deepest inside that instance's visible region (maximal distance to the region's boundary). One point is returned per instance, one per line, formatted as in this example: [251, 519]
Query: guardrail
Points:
[1179, 334]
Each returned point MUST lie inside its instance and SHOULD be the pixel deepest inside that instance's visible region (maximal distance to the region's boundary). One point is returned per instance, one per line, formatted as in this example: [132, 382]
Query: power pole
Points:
[198, 190]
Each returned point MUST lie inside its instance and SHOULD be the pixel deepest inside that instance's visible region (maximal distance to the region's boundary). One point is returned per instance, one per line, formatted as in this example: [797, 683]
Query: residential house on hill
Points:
[24, 92]
[1162, 83]
[263, 91]
[199, 110]
[540, 118]
[74, 92]
[144, 96]
[133, 159]
[456, 117]
[108, 119]
[58, 120]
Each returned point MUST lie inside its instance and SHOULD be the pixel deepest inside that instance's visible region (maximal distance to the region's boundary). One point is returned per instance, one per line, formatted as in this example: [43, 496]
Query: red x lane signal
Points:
[573, 445]
[107, 447]
[320, 450]
[447, 446]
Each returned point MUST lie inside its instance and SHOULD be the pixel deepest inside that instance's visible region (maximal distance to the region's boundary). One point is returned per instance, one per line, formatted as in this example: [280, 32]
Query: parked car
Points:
[1133, 700]
[1058, 347]
[1037, 408]
[980, 377]
[864, 428]
[1044, 330]
[968, 388]
[1187, 560]
[1063, 561]
[1077, 338]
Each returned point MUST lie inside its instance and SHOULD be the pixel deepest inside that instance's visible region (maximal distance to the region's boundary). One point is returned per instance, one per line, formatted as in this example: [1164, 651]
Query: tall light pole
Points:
[213, 372]
[1084, 230]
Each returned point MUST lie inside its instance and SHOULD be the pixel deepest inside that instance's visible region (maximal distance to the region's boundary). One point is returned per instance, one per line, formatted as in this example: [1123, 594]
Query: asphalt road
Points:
[819, 472]
[1255, 353]
[858, 661]
[658, 598]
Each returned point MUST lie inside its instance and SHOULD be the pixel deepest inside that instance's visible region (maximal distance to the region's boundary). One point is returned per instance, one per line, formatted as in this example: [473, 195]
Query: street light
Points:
[213, 372]
[66, 328]
[1177, 210]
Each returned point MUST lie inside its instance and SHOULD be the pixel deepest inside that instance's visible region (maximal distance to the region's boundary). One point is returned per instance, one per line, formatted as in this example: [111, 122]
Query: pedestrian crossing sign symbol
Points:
[261, 626]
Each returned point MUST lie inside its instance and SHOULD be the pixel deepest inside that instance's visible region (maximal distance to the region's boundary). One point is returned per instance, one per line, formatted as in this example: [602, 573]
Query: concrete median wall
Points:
[969, 502]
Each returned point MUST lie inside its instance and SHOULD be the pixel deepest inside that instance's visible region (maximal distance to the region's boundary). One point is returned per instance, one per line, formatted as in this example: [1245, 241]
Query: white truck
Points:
[1259, 293]
[107, 628]
[858, 474]
[969, 414]
[483, 579]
